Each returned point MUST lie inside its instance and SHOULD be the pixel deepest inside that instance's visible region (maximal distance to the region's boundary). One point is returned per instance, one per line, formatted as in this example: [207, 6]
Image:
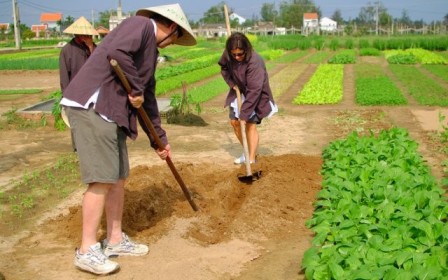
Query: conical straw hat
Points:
[81, 27]
[173, 12]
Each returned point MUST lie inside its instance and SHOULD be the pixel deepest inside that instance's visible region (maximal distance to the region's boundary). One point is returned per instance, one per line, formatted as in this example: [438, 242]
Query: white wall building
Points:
[310, 24]
[327, 24]
[115, 20]
[240, 19]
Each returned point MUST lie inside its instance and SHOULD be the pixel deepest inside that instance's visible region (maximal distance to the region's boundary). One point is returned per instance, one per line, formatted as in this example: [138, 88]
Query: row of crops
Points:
[374, 85]
[428, 42]
[380, 213]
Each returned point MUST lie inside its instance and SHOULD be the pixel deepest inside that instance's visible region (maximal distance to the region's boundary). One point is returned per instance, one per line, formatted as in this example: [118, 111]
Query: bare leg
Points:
[237, 130]
[92, 210]
[252, 140]
[114, 212]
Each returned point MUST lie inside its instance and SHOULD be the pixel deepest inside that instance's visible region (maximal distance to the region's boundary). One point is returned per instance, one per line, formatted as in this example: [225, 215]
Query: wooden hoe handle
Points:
[243, 134]
[149, 125]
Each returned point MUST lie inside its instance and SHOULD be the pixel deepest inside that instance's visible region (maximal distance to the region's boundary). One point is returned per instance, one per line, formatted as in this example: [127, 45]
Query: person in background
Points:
[243, 68]
[102, 115]
[75, 53]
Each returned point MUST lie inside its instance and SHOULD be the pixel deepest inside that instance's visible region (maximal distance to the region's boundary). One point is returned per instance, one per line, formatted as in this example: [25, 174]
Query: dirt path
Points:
[241, 231]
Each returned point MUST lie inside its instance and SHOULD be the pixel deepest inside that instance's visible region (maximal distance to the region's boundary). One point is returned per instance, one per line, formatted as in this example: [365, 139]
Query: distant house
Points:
[327, 24]
[103, 31]
[38, 29]
[4, 28]
[51, 20]
[280, 31]
[240, 19]
[212, 30]
[310, 23]
[264, 28]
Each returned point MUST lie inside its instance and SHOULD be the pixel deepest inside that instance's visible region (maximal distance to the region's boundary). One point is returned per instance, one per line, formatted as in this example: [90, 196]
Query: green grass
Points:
[378, 91]
[424, 90]
[317, 58]
[374, 87]
[439, 70]
[290, 57]
[19, 91]
[207, 91]
[38, 190]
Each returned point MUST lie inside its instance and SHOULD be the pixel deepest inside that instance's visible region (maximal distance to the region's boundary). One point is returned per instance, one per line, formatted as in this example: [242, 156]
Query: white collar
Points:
[155, 26]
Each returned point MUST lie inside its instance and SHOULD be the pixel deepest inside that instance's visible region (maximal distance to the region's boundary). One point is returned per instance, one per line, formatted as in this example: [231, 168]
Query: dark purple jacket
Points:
[252, 80]
[133, 44]
[71, 59]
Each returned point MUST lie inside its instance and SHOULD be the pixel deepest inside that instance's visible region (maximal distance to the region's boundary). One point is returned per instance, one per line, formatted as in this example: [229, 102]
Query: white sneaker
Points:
[125, 248]
[240, 160]
[95, 261]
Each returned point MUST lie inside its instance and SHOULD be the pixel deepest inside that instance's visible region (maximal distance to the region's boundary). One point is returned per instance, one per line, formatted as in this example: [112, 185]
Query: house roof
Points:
[50, 17]
[310, 16]
[4, 25]
[327, 19]
[265, 25]
[213, 26]
[102, 30]
[38, 27]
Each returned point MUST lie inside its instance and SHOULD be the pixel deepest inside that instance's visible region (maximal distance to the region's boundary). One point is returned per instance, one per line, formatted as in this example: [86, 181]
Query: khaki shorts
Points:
[101, 146]
[254, 119]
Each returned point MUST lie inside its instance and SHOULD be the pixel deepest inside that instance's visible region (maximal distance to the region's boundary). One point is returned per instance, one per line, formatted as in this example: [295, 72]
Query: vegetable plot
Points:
[374, 87]
[423, 89]
[324, 87]
[380, 214]
[411, 56]
[343, 57]
[281, 81]
[32, 60]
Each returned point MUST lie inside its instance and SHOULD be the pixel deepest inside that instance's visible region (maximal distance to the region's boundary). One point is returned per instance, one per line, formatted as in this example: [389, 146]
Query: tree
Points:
[337, 16]
[215, 14]
[104, 19]
[349, 29]
[445, 19]
[268, 12]
[63, 24]
[3, 33]
[368, 14]
[405, 19]
[385, 19]
[291, 14]
[249, 22]
[25, 32]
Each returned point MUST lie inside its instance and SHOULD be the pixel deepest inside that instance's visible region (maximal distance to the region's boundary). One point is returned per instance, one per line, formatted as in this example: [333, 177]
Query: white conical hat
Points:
[81, 27]
[173, 12]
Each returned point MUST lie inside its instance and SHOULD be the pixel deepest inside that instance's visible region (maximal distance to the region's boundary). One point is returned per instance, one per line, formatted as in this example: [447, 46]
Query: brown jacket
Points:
[133, 44]
[71, 59]
[252, 80]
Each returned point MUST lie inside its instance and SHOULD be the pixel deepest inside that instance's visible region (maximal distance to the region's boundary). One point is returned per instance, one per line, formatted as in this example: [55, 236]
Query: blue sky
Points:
[30, 10]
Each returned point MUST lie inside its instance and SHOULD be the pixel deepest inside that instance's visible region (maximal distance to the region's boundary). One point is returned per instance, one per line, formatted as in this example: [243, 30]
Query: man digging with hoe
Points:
[102, 115]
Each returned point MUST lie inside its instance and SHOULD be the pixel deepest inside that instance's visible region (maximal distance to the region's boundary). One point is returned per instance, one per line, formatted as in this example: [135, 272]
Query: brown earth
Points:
[241, 231]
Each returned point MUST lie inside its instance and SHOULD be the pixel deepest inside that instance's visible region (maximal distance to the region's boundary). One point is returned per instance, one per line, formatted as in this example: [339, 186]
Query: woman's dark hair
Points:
[239, 41]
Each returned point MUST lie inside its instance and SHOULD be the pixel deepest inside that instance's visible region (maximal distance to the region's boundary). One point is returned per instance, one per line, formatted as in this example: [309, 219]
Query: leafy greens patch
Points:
[380, 214]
